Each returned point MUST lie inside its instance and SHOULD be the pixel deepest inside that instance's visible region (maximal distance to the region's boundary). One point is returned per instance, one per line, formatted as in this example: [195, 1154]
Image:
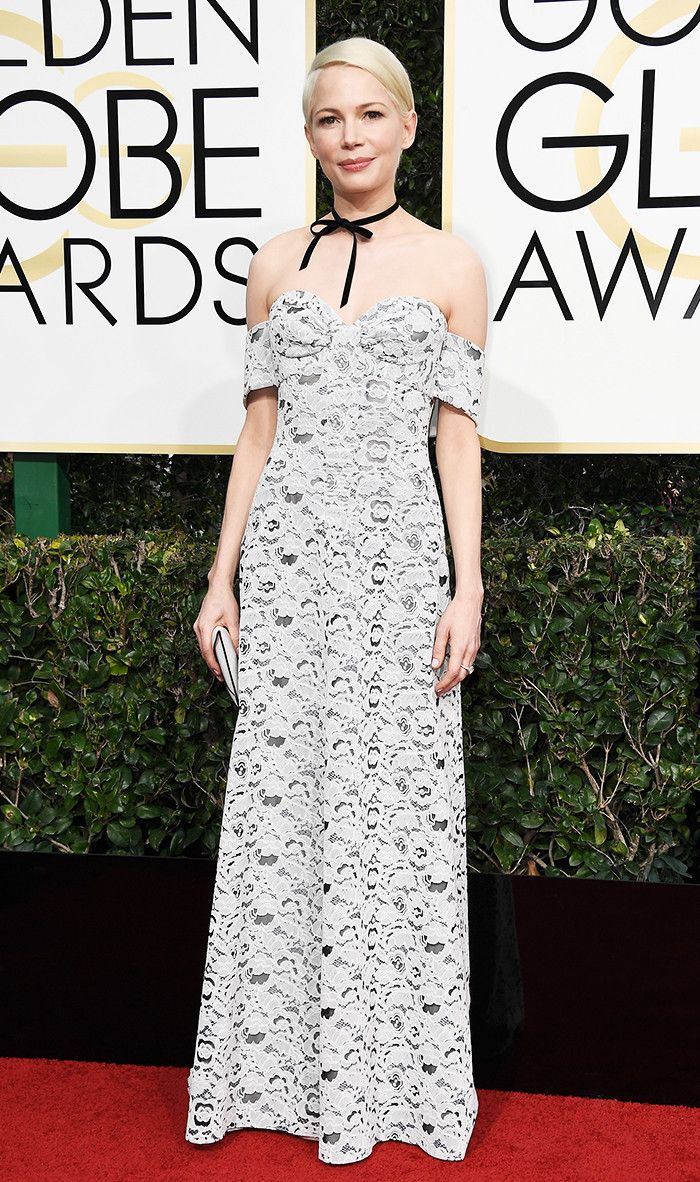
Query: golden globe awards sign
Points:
[572, 160]
[144, 155]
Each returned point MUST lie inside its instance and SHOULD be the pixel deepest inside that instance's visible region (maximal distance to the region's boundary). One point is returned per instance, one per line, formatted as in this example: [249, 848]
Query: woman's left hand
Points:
[460, 628]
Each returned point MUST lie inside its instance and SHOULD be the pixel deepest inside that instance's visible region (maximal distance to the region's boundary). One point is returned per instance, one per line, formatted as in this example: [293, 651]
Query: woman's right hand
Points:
[219, 606]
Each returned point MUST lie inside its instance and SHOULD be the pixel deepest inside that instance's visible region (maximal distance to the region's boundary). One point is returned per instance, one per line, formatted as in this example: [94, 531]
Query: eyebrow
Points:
[359, 107]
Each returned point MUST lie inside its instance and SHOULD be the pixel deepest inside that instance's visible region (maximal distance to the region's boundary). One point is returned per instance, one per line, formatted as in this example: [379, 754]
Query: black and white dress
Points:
[336, 991]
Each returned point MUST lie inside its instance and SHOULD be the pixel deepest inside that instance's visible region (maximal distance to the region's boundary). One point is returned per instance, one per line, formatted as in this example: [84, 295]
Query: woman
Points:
[336, 991]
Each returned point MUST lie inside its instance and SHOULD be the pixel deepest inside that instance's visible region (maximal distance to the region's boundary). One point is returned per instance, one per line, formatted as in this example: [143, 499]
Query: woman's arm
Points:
[252, 449]
[458, 456]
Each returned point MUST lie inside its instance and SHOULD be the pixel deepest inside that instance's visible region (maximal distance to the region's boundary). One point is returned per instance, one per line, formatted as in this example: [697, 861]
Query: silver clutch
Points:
[226, 659]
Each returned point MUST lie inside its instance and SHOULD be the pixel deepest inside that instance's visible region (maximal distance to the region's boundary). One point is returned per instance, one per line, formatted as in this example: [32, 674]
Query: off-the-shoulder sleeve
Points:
[458, 377]
[259, 361]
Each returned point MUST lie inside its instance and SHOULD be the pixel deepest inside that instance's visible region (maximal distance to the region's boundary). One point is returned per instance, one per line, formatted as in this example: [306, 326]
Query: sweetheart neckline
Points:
[372, 308]
[351, 324]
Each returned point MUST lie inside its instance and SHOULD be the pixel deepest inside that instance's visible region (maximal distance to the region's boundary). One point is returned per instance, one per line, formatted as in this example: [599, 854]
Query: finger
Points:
[197, 628]
[205, 647]
[214, 666]
[454, 674]
[439, 646]
[233, 626]
[448, 681]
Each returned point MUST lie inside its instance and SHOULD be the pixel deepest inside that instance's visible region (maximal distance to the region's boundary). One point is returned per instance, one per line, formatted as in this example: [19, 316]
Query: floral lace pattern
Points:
[335, 1000]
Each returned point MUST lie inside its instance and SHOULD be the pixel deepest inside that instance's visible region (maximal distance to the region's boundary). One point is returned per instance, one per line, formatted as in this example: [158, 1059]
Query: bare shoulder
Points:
[461, 252]
[453, 248]
[282, 243]
[266, 266]
[465, 286]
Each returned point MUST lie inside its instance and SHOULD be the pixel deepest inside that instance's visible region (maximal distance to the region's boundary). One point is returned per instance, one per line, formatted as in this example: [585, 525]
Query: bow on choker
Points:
[356, 226]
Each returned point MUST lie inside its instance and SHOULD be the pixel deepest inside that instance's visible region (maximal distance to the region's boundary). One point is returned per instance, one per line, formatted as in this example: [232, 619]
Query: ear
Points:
[410, 129]
[307, 133]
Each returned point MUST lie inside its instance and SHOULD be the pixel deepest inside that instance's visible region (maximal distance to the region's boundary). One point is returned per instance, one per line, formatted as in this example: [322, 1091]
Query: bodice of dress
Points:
[354, 408]
[375, 381]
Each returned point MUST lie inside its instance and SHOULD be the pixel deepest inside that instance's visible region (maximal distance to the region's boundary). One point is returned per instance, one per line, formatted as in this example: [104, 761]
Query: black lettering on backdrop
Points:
[85, 285]
[533, 247]
[250, 42]
[158, 151]
[47, 25]
[547, 46]
[139, 243]
[7, 255]
[195, 10]
[629, 246]
[619, 142]
[693, 305]
[52, 100]
[129, 17]
[591, 5]
[141, 151]
[201, 152]
[648, 39]
[225, 274]
[644, 198]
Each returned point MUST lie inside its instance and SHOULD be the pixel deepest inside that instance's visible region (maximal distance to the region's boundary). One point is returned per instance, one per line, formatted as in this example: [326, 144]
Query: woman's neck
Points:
[365, 207]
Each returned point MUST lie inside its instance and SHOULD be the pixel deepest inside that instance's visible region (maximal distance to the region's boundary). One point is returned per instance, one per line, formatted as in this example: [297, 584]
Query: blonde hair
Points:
[369, 55]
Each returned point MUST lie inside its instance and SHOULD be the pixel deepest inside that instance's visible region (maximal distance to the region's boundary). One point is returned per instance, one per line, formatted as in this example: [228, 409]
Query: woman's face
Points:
[354, 118]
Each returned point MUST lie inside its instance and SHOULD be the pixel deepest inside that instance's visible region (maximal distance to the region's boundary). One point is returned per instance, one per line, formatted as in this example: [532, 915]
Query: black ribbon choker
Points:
[355, 227]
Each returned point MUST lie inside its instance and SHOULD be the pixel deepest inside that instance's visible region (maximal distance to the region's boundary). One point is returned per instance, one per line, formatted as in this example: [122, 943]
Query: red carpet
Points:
[64, 1120]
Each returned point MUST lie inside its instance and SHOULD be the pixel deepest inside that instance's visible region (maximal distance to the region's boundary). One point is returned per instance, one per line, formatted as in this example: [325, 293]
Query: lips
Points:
[356, 164]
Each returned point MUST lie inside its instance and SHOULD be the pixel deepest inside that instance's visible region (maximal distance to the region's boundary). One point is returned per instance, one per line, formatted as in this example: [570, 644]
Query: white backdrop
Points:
[107, 382]
[562, 373]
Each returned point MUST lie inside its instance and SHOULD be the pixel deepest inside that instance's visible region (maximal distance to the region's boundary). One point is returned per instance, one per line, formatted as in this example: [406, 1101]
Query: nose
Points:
[352, 132]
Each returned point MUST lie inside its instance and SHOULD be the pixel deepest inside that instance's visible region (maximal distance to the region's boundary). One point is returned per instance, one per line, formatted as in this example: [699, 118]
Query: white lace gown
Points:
[336, 994]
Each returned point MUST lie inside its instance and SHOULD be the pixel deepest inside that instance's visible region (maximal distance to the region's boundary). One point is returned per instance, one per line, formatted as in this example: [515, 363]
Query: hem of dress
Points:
[331, 1161]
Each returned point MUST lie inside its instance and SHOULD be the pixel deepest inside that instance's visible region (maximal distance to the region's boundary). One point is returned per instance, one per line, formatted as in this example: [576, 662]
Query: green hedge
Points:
[581, 734]
[580, 746]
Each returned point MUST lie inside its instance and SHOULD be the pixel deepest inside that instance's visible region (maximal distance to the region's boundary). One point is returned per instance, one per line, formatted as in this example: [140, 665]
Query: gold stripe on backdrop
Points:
[198, 449]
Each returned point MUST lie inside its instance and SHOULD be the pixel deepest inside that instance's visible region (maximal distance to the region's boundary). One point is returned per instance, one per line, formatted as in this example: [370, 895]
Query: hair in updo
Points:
[371, 56]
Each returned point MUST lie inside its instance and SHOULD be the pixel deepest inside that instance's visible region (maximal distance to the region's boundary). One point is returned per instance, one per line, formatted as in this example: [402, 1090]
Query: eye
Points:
[325, 119]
